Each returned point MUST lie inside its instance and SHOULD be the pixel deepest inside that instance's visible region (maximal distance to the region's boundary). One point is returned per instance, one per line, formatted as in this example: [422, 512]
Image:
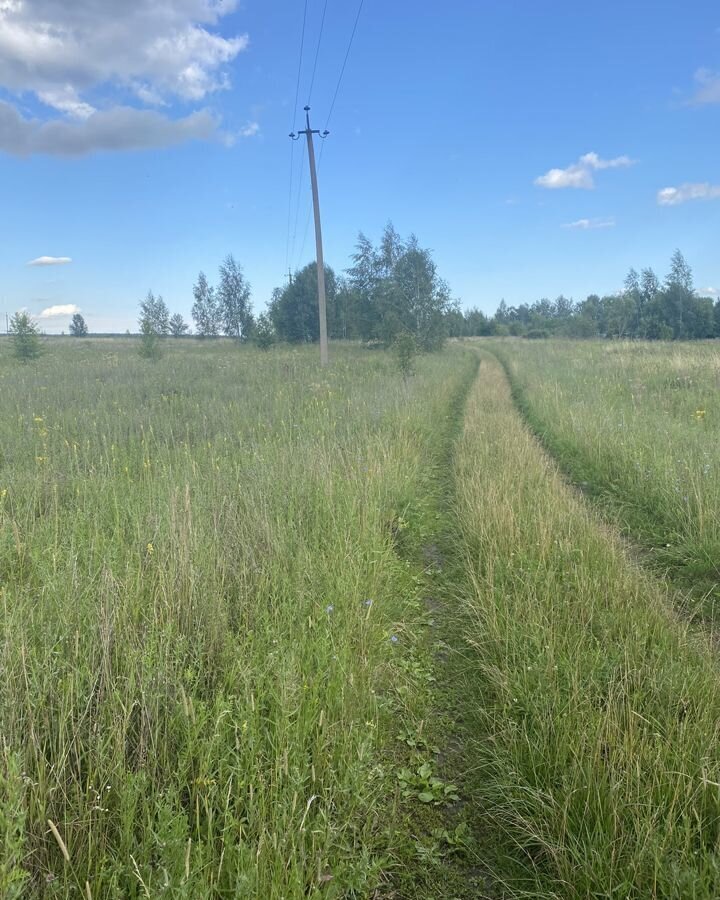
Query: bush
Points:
[406, 349]
[263, 333]
[25, 337]
[149, 342]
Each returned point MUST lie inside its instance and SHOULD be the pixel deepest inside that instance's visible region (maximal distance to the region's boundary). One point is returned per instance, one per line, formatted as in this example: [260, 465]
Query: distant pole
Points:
[322, 307]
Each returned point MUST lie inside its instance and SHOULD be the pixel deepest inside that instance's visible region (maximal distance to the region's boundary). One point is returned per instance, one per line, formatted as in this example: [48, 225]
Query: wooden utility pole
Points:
[322, 310]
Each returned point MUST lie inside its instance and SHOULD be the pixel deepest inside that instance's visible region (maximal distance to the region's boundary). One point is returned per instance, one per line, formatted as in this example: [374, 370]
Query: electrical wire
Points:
[342, 70]
[292, 143]
[317, 52]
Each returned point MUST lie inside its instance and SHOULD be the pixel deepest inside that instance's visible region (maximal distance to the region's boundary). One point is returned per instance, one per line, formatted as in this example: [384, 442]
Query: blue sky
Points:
[537, 148]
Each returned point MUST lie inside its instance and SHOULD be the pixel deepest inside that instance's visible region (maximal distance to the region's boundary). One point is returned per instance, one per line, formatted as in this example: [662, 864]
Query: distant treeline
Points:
[645, 308]
[394, 289]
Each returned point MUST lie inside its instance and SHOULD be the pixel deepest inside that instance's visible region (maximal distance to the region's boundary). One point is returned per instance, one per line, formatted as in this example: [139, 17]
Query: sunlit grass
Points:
[598, 710]
[203, 609]
[638, 424]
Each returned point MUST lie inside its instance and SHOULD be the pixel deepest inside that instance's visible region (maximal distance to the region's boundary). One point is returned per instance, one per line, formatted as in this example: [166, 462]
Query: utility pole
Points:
[309, 132]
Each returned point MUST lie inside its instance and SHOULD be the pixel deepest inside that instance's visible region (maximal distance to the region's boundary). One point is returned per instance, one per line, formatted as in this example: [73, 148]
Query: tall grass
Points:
[204, 615]
[638, 424]
[597, 754]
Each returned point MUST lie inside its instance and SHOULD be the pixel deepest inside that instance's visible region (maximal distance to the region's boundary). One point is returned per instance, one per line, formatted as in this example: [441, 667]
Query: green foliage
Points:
[178, 326]
[396, 288]
[405, 349]
[233, 299]
[13, 815]
[78, 326]
[206, 311]
[293, 310]
[389, 289]
[644, 309]
[422, 784]
[149, 341]
[263, 333]
[25, 336]
[154, 315]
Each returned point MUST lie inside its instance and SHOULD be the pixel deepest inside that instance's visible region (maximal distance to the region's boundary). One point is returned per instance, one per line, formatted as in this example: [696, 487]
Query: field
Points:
[638, 425]
[270, 631]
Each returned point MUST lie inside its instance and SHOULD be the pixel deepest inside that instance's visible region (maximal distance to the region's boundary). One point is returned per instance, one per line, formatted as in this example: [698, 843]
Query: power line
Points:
[317, 53]
[342, 71]
[292, 128]
[297, 86]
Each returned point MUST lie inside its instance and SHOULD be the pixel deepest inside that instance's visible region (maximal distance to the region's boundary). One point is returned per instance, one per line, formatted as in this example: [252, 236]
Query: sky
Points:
[536, 148]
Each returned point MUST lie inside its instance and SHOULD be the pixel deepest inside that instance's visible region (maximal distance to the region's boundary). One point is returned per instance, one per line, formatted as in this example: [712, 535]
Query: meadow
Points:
[595, 708]
[272, 631]
[637, 425]
[207, 617]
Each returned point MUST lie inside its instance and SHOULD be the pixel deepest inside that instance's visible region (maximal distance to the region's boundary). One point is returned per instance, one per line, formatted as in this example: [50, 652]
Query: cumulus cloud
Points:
[60, 50]
[674, 196]
[119, 128]
[74, 57]
[50, 261]
[250, 130]
[586, 224]
[56, 312]
[709, 292]
[708, 90]
[580, 173]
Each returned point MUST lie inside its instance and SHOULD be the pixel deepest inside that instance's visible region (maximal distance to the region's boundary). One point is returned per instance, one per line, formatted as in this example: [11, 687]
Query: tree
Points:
[418, 298]
[178, 326]
[78, 327]
[293, 309]
[649, 285]
[233, 298]
[155, 314]
[205, 310]
[25, 336]
[677, 296]
[263, 334]
[149, 341]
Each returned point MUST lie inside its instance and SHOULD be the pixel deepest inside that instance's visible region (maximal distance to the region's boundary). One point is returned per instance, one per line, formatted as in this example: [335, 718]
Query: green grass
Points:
[596, 727]
[638, 426]
[195, 689]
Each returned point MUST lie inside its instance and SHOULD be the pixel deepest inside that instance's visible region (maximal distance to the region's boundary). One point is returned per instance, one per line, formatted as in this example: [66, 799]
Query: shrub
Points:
[25, 337]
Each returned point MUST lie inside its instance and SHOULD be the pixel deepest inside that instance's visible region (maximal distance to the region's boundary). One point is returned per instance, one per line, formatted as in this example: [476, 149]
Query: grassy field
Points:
[638, 425]
[276, 632]
[209, 616]
[596, 710]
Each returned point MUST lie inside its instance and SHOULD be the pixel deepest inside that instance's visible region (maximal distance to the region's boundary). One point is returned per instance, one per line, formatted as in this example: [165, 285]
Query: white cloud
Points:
[59, 50]
[50, 261]
[673, 196]
[54, 312]
[250, 130]
[74, 56]
[586, 224]
[580, 173]
[708, 87]
[120, 128]
[709, 292]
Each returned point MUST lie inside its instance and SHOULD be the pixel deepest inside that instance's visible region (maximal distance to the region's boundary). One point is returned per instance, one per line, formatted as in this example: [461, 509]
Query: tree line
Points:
[645, 309]
[391, 289]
